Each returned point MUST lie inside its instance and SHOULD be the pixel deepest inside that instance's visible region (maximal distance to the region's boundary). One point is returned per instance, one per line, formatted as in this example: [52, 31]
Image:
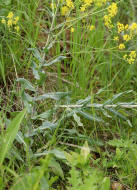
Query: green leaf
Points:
[52, 95]
[77, 119]
[36, 54]
[84, 101]
[118, 114]
[58, 59]
[57, 153]
[26, 84]
[116, 96]
[56, 168]
[45, 125]
[44, 115]
[26, 182]
[10, 135]
[89, 116]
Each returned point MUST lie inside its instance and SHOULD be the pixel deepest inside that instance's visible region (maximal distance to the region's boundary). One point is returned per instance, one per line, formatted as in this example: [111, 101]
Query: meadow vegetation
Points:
[68, 94]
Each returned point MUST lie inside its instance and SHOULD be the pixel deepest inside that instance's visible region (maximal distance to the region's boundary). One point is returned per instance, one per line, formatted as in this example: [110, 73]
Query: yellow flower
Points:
[112, 9]
[64, 10]
[120, 27]
[91, 27]
[126, 27]
[72, 30]
[132, 54]
[86, 3]
[108, 22]
[10, 15]
[3, 21]
[116, 38]
[121, 46]
[16, 19]
[127, 37]
[9, 23]
[83, 8]
[69, 4]
[133, 28]
[132, 57]
[17, 28]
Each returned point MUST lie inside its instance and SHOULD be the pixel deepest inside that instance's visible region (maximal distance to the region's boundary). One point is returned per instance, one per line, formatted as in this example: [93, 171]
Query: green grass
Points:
[80, 97]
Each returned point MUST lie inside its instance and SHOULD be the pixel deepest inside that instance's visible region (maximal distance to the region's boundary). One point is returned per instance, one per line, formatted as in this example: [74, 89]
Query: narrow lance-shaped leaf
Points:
[58, 59]
[26, 84]
[52, 95]
[10, 135]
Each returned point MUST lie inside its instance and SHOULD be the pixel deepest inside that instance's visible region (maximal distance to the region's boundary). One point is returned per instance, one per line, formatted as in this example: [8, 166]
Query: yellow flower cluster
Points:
[67, 7]
[133, 28]
[120, 27]
[116, 38]
[112, 11]
[128, 32]
[121, 46]
[131, 58]
[11, 21]
[69, 4]
[64, 10]
[127, 37]
[85, 4]
[88, 3]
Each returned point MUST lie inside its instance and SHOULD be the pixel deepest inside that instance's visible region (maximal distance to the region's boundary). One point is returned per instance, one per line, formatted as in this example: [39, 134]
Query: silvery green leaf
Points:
[116, 113]
[35, 71]
[116, 96]
[36, 54]
[120, 116]
[46, 125]
[77, 119]
[52, 95]
[20, 138]
[84, 101]
[58, 59]
[59, 154]
[105, 113]
[43, 115]
[26, 84]
[26, 97]
[89, 116]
